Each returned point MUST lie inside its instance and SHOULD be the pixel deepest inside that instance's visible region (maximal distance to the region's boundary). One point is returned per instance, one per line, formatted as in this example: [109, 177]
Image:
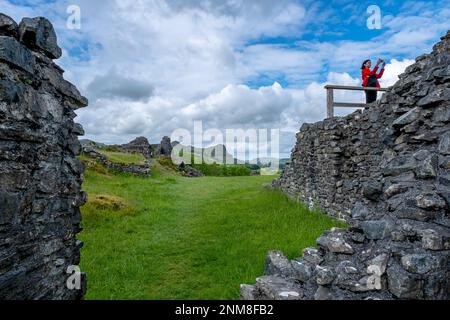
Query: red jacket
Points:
[366, 74]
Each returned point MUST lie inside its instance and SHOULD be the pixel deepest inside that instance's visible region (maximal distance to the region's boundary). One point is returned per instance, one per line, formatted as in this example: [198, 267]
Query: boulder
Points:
[312, 256]
[430, 201]
[301, 270]
[407, 118]
[165, 148]
[432, 240]
[16, 54]
[278, 264]
[324, 276]
[8, 27]
[423, 263]
[38, 33]
[444, 144]
[376, 229]
[335, 242]
[372, 190]
[404, 285]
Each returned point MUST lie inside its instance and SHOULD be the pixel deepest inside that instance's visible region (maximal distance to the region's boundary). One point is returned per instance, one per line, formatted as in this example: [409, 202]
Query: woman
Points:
[370, 78]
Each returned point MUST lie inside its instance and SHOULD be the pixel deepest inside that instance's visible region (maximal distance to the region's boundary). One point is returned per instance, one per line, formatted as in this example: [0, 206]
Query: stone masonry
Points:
[386, 170]
[40, 176]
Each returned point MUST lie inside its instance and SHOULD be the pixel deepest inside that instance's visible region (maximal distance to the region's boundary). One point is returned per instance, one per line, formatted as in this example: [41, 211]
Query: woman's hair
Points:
[364, 64]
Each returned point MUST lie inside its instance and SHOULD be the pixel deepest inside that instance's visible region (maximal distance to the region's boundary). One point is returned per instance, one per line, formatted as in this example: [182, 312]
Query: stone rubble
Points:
[140, 170]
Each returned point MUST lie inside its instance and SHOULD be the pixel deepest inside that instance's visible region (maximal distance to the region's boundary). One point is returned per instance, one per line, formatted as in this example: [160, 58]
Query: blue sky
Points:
[150, 67]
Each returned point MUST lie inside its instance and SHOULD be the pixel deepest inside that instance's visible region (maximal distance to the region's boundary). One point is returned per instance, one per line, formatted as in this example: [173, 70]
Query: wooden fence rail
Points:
[331, 104]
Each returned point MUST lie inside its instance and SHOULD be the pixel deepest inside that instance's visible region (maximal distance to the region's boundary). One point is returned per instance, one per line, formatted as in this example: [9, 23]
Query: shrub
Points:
[216, 170]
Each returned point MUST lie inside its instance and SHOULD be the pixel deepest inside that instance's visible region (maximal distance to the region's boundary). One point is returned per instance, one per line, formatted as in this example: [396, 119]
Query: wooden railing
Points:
[331, 104]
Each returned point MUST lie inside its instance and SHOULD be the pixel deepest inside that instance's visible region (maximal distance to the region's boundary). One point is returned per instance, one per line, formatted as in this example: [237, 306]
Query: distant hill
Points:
[214, 154]
[267, 162]
[93, 144]
[217, 154]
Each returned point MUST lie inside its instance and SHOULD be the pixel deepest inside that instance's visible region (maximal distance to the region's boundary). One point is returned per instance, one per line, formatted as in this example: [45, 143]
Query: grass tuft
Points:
[106, 202]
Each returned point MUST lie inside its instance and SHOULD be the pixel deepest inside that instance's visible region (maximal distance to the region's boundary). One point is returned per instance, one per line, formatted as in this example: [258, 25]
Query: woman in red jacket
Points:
[370, 78]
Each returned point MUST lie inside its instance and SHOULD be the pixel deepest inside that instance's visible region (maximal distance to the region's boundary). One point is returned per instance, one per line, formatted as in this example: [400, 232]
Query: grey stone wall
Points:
[40, 176]
[138, 145]
[387, 171]
[140, 170]
[333, 159]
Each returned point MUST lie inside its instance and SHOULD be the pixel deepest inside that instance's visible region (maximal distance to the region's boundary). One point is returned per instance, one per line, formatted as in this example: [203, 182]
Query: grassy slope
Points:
[123, 158]
[180, 238]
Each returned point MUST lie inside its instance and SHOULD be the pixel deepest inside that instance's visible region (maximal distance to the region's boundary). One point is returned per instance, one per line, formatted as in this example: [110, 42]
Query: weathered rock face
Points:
[138, 145]
[140, 170]
[40, 176]
[165, 148]
[387, 171]
[8, 27]
[38, 33]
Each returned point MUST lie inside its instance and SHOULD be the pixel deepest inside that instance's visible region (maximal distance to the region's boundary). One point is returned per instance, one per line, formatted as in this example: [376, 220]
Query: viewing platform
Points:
[331, 104]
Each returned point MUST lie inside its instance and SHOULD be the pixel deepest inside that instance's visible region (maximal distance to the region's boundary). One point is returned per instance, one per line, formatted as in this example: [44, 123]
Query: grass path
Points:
[180, 238]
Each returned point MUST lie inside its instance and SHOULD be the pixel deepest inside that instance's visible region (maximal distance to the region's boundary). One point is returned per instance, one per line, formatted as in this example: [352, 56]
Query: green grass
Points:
[123, 158]
[169, 237]
[216, 170]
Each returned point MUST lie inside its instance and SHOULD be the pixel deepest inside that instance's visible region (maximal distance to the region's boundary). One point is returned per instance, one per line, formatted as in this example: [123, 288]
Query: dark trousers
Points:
[371, 96]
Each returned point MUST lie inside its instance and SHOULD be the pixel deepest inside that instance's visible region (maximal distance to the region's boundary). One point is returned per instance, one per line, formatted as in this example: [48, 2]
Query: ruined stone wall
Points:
[333, 159]
[139, 145]
[387, 170]
[40, 176]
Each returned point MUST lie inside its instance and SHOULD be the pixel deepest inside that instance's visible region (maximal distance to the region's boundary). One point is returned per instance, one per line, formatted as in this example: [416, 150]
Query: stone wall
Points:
[139, 145]
[40, 176]
[387, 171]
[140, 170]
[333, 159]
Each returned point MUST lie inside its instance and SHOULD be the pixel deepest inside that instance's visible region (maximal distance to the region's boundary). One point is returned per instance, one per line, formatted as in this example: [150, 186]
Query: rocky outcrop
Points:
[139, 145]
[386, 170]
[164, 149]
[38, 33]
[140, 170]
[40, 176]
[189, 171]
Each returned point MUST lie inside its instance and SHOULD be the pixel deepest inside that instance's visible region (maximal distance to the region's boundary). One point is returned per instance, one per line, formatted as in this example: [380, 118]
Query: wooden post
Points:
[330, 102]
[330, 98]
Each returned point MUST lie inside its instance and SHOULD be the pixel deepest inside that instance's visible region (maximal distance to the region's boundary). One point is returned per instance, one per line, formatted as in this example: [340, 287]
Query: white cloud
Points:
[238, 106]
[150, 67]
[393, 70]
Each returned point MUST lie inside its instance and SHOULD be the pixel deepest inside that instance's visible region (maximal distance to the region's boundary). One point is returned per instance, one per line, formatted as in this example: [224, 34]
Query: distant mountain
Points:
[214, 154]
[93, 144]
[217, 154]
[268, 161]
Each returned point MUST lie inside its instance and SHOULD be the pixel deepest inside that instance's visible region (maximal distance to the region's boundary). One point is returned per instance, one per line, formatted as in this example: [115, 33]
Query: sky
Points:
[151, 67]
